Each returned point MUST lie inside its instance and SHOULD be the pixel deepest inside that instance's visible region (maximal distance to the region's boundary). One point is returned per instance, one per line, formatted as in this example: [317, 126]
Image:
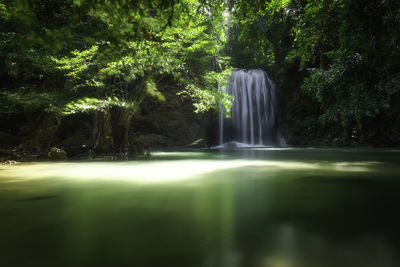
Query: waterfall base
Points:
[234, 144]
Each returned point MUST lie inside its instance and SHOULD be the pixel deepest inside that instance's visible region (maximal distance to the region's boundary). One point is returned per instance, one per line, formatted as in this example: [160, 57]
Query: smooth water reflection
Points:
[255, 207]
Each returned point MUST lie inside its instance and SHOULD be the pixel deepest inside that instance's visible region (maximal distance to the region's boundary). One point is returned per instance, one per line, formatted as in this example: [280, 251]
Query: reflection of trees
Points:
[316, 220]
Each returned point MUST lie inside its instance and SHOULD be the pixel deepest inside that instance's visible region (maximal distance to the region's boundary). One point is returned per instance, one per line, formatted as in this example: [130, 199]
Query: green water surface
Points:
[264, 207]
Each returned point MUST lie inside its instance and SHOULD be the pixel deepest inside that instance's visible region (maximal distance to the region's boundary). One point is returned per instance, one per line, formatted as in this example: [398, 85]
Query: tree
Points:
[358, 61]
[130, 47]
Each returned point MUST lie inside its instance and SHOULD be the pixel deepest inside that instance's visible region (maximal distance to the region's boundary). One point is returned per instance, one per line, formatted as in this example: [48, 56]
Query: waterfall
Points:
[254, 119]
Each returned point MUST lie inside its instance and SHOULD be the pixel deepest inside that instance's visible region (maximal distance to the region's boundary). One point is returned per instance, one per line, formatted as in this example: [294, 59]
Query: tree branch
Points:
[171, 15]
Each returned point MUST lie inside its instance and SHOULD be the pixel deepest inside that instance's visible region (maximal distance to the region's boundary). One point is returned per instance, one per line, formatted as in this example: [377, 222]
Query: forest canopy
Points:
[336, 64]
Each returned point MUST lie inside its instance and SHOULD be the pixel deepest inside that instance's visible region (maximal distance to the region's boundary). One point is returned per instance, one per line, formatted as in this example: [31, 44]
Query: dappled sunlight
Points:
[355, 166]
[180, 154]
[162, 171]
[167, 171]
[277, 262]
[233, 208]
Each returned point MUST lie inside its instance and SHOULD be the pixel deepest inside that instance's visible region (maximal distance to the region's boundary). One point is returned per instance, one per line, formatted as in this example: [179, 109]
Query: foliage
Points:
[68, 56]
[211, 94]
[88, 104]
[342, 53]
[342, 96]
[336, 62]
[316, 32]
[349, 89]
[133, 45]
[26, 102]
[80, 68]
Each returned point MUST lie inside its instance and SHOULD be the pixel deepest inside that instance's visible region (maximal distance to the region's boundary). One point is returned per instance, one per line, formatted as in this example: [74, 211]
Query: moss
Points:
[57, 154]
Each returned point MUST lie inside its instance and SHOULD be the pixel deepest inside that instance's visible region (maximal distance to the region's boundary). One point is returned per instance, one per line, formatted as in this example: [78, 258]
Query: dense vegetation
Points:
[336, 64]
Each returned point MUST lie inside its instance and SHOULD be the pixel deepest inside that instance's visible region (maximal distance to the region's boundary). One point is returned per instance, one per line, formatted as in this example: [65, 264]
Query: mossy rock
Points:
[200, 143]
[57, 154]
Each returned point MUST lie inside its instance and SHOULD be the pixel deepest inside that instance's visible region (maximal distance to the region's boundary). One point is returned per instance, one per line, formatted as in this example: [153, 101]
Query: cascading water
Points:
[254, 119]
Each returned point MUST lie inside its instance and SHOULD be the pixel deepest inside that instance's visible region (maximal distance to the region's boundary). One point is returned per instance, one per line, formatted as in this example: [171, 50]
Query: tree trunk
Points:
[122, 130]
[102, 132]
[346, 137]
[361, 131]
[323, 61]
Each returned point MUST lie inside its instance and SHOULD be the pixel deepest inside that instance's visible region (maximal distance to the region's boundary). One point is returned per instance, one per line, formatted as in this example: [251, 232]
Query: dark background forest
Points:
[119, 77]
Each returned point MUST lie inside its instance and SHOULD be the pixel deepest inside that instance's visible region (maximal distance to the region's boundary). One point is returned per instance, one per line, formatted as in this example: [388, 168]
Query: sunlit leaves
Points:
[78, 63]
[118, 50]
[259, 7]
[77, 2]
[4, 14]
[211, 95]
[88, 104]
[80, 68]
[151, 88]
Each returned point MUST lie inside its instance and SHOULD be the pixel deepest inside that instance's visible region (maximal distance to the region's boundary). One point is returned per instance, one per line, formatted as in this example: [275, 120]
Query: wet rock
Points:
[105, 157]
[88, 155]
[147, 153]
[11, 162]
[121, 156]
[199, 143]
[337, 142]
[76, 150]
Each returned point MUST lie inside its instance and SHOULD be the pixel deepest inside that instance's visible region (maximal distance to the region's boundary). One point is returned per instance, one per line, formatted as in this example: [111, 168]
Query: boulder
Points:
[11, 162]
[57, 154]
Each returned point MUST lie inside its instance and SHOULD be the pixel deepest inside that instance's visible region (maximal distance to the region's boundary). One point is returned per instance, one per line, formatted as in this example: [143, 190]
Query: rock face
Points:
[8, 140]
[75, 134]
[171, 123]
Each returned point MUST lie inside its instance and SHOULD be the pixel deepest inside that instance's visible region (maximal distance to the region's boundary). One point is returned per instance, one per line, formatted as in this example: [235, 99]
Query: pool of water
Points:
[267, 207]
